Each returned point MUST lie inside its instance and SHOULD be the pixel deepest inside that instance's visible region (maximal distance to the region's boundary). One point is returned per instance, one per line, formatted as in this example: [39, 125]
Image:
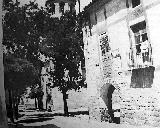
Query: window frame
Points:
[142, 73]
[135, 4]
[136, 54]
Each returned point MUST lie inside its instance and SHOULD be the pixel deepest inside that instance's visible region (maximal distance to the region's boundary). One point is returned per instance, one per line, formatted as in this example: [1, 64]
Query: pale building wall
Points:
[153, 22]
[119, 39]
[149, 2]
[139, 106]
[93, 70]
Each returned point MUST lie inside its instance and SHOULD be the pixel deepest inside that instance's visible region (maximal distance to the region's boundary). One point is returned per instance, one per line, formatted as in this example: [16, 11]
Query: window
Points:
[143, 71]
[106, 56]
[72, 7]
[100, 15]
[135, 3]
[141, 48]
[61, 7]
[104, 43]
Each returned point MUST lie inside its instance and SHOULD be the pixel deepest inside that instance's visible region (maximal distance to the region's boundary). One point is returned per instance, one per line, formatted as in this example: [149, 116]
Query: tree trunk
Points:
[16, 107]
[65, 103]
[40, 103]
[35, 103]
[3, 112]
[10, 109]
[13, 104]
[16, 111]
[46, 105]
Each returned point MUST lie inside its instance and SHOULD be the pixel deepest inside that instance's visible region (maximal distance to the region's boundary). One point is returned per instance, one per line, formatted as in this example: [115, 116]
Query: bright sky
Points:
[42, 3]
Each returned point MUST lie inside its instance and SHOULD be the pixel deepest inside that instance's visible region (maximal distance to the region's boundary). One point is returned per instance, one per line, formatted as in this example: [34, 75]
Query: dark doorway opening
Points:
[110, 109]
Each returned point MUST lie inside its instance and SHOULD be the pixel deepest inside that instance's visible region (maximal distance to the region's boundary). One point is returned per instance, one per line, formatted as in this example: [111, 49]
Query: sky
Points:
[42, 3]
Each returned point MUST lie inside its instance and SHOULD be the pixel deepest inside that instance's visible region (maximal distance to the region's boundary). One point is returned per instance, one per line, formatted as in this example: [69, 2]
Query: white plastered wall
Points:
[92, 71]
[149, 2]
[153, 16]
[119, 39]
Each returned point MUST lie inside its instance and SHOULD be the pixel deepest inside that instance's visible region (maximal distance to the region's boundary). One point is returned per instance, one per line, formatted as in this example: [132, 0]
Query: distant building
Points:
[58, 7]
[122, 51]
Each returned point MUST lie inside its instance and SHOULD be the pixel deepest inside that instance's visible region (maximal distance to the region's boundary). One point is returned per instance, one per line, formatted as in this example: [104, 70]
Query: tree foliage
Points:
[18, 73]
[30, 31]
[22, 28]
[64, 44]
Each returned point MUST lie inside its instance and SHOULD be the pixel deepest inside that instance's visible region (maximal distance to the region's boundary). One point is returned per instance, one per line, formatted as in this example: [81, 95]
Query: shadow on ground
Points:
[43, 117]
[43, 126]
[48, 116]
[35, 119]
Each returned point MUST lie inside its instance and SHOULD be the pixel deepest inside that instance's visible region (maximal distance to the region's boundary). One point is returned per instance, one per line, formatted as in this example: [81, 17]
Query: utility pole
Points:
[3, 112]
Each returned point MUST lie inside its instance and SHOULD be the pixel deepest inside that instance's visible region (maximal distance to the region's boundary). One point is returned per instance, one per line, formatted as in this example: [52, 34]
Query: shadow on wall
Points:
[106, 94]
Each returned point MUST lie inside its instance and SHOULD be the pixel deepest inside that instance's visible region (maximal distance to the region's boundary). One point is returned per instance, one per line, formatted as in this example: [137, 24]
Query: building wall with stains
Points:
[121, 42]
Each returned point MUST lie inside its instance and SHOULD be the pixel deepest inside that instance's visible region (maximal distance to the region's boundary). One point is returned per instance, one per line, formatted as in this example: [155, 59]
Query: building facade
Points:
[121, 42]
[58, 7]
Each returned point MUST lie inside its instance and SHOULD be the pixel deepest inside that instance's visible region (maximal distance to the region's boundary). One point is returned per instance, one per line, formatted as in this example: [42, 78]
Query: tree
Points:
[30, 32]
[22, 29]
[64, 44]
[18, 74]
[37, 94]
[33, 94]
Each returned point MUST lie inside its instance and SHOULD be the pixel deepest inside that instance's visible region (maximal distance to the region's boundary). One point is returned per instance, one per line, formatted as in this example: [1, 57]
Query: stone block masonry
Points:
[140, 107]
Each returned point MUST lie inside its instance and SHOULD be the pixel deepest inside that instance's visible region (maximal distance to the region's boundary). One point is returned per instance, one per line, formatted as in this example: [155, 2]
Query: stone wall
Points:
[94, 112]
[140, 107]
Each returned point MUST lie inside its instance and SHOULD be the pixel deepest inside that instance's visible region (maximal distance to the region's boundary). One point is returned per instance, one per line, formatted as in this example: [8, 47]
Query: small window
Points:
[104, 43]
[135, 3]
[141, 47]
[141, 51]
[106, 56]
[61, 7]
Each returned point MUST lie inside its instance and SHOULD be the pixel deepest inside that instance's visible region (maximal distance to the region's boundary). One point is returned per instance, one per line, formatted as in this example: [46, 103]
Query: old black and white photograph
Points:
[79, 63]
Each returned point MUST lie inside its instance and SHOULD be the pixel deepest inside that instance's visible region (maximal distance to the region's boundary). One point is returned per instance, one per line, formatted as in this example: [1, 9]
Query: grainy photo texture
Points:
[79, 63]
